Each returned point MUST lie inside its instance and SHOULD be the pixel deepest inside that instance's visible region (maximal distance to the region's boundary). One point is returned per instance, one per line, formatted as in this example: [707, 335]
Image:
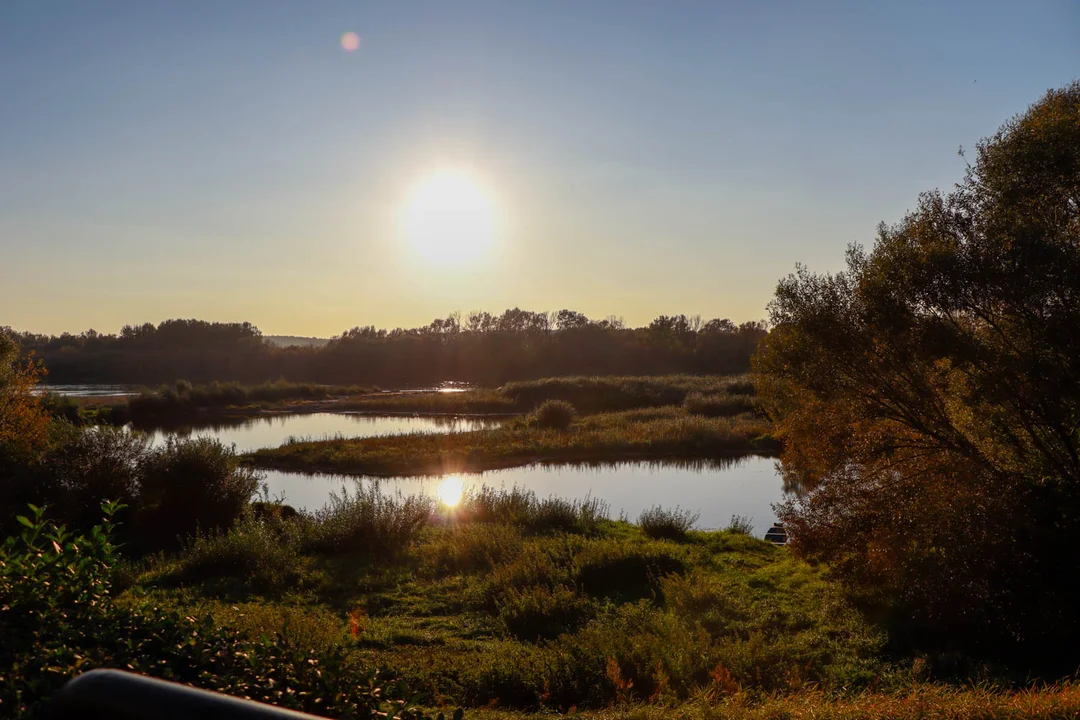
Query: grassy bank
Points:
[185, 396]
[725, 395]
[184, 401]
[519, 607]
[526, 603]
[511, 606]
[654, 433]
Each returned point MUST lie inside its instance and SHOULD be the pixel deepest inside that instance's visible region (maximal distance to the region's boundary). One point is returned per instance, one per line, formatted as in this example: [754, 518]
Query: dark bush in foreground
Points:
[553, 415]
[58, 619]
[94, 466]
[189, 486]
[664, 524]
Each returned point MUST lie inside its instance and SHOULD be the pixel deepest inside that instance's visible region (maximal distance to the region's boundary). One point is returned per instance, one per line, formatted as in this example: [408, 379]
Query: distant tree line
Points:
[480, 348]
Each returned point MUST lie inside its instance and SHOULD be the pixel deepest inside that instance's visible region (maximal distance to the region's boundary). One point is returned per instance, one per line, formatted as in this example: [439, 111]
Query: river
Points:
[717, 490]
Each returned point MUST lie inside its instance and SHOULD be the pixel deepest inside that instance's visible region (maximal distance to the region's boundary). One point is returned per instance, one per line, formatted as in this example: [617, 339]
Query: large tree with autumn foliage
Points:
[929, 400]
[23, 421]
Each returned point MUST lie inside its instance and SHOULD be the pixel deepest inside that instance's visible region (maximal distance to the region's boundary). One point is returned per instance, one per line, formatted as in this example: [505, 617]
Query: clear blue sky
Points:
[228, 160]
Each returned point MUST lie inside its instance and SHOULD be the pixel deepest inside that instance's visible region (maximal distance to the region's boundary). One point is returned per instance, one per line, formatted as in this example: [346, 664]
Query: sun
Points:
[448, 218]
[450, 491]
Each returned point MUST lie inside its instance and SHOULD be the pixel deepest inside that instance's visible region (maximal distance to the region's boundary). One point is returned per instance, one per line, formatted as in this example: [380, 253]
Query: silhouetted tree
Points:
[929, 399]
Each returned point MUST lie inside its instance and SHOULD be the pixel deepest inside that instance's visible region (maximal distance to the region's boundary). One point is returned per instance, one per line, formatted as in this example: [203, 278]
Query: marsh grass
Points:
[642, 434]
[588, 395]
[263, 555]
[522, 508]
[666, 524]
[741, 525]
[184, 396]
[593, 394]
[367, 521]
[552, 415]
[483, 609]
[719, 404]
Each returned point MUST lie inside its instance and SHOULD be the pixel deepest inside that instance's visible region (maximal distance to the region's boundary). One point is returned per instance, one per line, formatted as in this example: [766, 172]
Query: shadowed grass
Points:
[652, 433]
[719, 701]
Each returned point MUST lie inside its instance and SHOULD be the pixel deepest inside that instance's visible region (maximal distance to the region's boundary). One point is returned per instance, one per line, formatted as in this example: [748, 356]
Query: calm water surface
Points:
[746, 486]
[274, 430]
[88, 390]
[717, 490]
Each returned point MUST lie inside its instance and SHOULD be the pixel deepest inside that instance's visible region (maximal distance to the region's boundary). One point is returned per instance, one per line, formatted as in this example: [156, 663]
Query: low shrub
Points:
[631, 653]
[559, 514]
[539, 564]
[91, 467]
[63, 407]
[191, 485]
[741, 525]
[368, 522]
[538, 612]
[553, 415]
[263, 554]
[625, 570]
[662, 524]
[521, 508]
[488, 504]
[469, 548]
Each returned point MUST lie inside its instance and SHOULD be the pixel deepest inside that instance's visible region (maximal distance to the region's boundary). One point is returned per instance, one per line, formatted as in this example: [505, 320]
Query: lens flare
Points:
[451, 490]
[350, 42]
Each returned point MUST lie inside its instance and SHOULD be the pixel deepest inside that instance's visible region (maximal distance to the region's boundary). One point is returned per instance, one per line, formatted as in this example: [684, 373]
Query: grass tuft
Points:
[664, 524]
[553, 415]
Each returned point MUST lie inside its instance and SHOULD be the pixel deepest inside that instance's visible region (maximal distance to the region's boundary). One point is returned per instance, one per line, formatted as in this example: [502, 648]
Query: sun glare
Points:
[450, 491]
[449, 218]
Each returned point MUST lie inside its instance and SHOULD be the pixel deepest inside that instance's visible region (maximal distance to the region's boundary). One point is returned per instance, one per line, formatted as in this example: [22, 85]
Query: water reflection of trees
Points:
[694, 464]
[185, 427]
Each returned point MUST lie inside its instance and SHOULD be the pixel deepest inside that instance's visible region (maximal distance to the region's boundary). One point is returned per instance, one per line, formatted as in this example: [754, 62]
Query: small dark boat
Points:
[777, 534]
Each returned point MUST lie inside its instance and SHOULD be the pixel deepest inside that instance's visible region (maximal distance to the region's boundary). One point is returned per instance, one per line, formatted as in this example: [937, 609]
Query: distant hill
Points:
[295, 341]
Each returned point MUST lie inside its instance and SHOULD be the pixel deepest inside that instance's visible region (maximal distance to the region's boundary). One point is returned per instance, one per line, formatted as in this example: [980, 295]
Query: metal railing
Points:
[118, 695]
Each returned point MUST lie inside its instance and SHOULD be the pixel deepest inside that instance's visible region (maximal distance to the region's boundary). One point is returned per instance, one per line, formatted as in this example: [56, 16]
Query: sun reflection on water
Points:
[450, 490]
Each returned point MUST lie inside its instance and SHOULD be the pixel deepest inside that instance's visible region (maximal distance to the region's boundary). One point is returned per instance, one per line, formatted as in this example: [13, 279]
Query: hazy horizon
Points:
[254, 161]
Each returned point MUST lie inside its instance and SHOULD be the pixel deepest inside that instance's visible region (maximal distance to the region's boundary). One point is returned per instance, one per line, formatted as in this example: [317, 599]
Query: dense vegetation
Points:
[482, 348]
[181, 400]
[929, 396]
[531, 603]
[701, 394]
[59, 615]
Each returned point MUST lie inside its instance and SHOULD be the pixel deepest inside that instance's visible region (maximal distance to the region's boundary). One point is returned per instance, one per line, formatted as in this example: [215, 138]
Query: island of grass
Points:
[662, 433]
